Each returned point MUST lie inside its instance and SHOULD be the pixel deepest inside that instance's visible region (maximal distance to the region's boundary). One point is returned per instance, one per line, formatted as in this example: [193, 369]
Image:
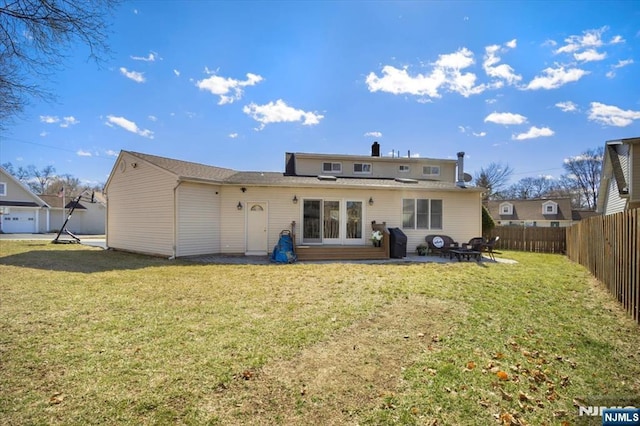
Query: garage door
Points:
[19, 222]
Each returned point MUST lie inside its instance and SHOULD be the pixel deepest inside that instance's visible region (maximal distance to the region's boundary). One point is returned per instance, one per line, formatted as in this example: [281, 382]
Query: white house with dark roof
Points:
[175, 208]
[22, 211]
[540, 212]
[620, 182]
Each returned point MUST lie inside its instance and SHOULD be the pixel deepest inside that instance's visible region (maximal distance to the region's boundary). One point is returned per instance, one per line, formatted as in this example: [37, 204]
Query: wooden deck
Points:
[341, 253]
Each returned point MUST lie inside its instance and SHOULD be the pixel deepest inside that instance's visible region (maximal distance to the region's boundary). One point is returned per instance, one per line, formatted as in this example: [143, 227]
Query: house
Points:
[89, 216]
[22, 211]
[174, 208]
[620, 182]
[553, 213]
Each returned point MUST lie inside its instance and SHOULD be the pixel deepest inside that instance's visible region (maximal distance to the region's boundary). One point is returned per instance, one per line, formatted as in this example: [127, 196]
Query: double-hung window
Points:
[332, 167]
[362, 168]
[421, 213]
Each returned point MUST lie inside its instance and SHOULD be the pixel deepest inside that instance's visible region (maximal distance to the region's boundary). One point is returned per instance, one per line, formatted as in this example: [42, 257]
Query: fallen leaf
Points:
[505, 396]
[471, 365]
[502, 375]
[56, 398]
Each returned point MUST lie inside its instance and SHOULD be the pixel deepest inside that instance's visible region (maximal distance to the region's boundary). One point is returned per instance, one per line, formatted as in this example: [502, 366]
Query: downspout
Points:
[175, 219]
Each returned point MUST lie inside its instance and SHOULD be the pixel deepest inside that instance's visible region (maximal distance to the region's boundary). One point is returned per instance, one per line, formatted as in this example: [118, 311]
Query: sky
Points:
[238, 84]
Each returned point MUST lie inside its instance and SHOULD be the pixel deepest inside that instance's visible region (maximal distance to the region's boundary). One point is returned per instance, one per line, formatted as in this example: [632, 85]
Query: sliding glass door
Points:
[332, 222]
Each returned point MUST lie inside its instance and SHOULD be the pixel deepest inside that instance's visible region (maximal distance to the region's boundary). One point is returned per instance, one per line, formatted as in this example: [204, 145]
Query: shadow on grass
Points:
[84, 261]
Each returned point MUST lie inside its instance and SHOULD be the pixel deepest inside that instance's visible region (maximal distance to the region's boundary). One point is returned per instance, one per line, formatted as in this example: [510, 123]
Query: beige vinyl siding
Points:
[140, 208]
[461, 216]
[634, 172]
[198, 218]
[16, 192]
[381, 167]
[614, 202]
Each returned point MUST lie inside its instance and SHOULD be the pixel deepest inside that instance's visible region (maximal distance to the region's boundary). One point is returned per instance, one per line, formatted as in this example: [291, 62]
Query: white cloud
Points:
[612, 115]
[43, 134]
[233, 135]
[65, 122]
[111, 153]
[138, 77]
[374, 134]
[446, 74]
[505, 118]
[512, 44]
[534, 132]
[152, 57]
[152, 118]
[589, 55]
[624, 63]
[177, 73]
[128, 125]
[82, 153]
[556, 77]
[567, 106]
[502, 71]
[588, 39]
[279, 112]
[479, 135]
[49, 119]
[69, 121]
[228, 89]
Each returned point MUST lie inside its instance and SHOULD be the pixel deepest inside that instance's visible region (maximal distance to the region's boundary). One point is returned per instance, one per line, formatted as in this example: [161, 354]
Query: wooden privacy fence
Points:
[530, 238]
[609, 246]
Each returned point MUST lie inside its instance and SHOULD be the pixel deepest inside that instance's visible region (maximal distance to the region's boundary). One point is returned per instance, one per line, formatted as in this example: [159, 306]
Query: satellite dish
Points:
[468, 177]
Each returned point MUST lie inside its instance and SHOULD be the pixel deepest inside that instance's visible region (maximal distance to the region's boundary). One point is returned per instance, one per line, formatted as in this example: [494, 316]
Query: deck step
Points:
[340, 253]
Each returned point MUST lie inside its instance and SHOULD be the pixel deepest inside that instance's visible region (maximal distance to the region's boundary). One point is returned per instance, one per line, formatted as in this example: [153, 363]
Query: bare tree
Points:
[34, 37]
[583, 176]
[530, 187]
[494, 178]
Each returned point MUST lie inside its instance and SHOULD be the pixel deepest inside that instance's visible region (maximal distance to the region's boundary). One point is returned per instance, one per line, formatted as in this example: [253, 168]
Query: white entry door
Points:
[257, 228]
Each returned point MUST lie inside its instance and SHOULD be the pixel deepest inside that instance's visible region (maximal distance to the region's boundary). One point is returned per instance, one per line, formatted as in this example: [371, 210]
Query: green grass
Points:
[91, 337]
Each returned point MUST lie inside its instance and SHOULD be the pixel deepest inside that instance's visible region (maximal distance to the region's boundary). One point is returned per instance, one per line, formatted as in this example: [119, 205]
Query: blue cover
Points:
[283, 251]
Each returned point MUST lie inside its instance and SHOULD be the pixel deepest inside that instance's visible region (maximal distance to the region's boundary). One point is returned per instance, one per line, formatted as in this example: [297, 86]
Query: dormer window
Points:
[431, 170]
[362, 168]
[331, 167]
[550, 207]
[506, 208]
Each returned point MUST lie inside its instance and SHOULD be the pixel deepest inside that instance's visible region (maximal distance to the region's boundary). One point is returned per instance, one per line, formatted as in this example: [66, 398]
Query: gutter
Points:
[175, 219]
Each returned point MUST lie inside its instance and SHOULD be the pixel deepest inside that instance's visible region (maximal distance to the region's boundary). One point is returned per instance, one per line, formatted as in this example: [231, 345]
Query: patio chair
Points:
[489, 246]
[440, 244]
[474, 244]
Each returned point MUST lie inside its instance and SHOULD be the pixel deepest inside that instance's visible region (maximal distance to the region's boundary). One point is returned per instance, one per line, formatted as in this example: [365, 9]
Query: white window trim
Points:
[362, 172]
[509, 208]
[3, 189]
[431, 168]
[429, 213]
[554, 207]
[332, 164]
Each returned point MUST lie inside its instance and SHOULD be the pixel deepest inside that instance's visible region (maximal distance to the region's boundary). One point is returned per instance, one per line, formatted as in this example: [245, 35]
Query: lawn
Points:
[92, 337]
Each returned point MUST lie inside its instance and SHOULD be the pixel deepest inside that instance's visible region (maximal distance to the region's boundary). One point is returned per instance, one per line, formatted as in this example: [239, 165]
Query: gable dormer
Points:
[506, 209]
[549, 207]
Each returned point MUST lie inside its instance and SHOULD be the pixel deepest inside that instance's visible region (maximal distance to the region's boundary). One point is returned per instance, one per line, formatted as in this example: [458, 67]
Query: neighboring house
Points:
[22, 211]
[88, 217]
[535, 212]
[169, 207]
[620, 183]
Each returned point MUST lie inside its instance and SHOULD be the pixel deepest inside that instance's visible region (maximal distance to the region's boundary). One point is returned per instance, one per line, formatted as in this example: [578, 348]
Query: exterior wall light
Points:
[295, 199]
[370, 201]
[239, 206]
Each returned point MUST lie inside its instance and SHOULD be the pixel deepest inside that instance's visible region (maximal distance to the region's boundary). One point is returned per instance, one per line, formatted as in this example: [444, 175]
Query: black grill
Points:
[397, 243]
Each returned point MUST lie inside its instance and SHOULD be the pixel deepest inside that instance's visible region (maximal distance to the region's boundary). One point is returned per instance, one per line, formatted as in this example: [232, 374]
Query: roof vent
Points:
[406, 180]
[325, 177]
